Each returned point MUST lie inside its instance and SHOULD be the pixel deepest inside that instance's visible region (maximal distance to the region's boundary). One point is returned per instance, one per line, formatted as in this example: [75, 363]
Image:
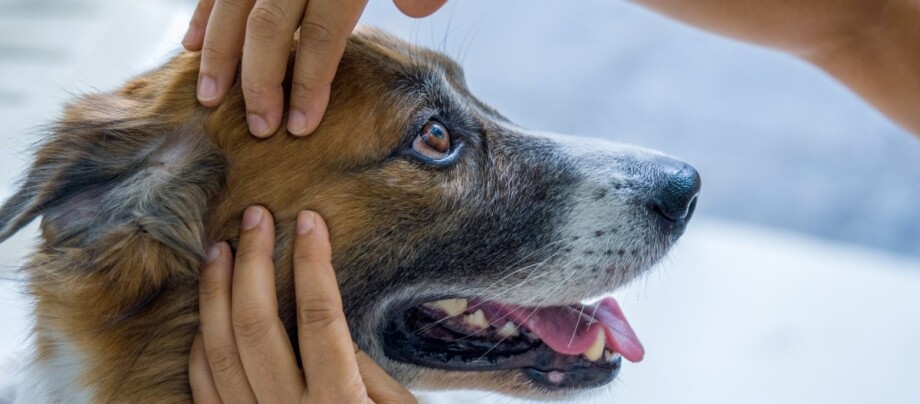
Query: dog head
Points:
[464, 245]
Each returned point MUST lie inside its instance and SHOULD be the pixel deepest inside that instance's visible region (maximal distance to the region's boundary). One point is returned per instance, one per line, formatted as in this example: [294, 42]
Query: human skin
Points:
[256, 35]
[872, 46]
[242, 353]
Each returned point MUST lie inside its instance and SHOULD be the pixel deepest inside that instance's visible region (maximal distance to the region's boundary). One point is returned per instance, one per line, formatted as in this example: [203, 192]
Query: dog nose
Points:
[675, 197]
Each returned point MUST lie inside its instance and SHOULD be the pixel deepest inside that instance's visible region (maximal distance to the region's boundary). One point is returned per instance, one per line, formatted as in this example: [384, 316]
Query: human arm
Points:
[872, 46]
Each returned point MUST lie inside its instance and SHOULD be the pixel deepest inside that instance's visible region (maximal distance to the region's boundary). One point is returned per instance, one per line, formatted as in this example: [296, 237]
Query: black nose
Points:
[677, 190]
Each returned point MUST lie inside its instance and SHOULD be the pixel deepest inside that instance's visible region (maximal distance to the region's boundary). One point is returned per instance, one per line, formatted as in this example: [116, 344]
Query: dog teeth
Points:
[597, 349]
[477, 320]
[610, 356]
[453, 307]
[508, 330]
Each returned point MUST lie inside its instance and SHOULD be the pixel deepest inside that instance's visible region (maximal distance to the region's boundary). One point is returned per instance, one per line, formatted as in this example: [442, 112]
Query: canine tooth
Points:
[509, 330]
[597, 349]
[608, 356]
[452, 307]
[477, 319]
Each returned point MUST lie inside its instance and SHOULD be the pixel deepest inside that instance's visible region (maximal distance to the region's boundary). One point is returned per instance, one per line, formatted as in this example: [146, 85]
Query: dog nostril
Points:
[676, 197]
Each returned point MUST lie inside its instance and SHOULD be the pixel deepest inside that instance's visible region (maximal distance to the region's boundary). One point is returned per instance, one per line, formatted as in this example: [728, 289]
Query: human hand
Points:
[261, 32]
[243, 355]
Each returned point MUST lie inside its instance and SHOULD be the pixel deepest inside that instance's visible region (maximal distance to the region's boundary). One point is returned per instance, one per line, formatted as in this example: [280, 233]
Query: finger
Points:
[199, 375]
[265, 350]
[220, 53]
[381, 388]
[323, 35]
[269, 34]
[216, 326]
[325, 343]
[194, 36]
[419, 8]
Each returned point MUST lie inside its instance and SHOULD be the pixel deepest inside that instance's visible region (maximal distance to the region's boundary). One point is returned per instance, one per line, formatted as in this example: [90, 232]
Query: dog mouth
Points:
[556, 347]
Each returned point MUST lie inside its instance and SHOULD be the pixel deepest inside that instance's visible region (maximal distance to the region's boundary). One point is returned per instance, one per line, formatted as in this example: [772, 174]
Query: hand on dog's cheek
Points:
[243, 354]
[259, 33]
[215, 370]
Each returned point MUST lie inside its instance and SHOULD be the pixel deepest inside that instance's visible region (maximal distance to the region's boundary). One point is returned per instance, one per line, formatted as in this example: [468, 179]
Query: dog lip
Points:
[555, 379]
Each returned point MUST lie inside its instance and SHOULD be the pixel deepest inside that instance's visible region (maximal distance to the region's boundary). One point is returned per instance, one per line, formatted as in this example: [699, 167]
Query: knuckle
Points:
[308, 254]
[234, 4]
[301, 259]
[307, 85]
[212, 53]
[249, 256]
[251, 325]
[222, 359]
[317, 313]
[266, 20]
[254, 88]
[316, 33]
[209, 289]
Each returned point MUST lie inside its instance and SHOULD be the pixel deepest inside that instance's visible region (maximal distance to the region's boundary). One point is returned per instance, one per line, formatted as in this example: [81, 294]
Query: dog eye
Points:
[433, 141]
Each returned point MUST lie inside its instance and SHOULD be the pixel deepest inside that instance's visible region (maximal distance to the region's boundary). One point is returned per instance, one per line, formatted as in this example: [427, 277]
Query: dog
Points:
[464, 245]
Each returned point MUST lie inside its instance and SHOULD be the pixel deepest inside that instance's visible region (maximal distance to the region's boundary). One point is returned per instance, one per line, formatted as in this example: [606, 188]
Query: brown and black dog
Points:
[464, 245]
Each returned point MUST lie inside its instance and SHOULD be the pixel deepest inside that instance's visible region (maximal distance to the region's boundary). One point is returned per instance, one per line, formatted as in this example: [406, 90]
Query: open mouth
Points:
[574, 346]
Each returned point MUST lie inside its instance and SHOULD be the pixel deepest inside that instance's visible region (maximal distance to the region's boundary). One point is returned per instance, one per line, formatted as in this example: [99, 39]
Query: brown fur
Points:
[94, 294]
[133, 185]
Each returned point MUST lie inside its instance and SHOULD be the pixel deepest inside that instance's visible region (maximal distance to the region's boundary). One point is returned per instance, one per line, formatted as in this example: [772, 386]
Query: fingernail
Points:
[305, 222]
[251, 217]
[257, 125]
[297, 123]
[207, 88]
[212, 253]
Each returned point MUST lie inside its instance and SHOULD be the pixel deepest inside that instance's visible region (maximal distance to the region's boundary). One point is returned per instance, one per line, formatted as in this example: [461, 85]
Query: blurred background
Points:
[799, 280]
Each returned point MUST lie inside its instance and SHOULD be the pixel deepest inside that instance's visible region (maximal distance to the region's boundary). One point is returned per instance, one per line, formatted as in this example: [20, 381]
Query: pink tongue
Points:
[571, 331]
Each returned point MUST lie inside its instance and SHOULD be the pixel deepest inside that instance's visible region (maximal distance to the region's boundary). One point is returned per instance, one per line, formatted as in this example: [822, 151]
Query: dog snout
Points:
[674, 196]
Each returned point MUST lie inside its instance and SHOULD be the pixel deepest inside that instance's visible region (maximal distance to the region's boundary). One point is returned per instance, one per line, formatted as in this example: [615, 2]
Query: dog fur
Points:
[133, 185]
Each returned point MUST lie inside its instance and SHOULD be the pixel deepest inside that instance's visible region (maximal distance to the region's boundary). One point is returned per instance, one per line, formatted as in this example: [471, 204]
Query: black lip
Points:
[543, 366]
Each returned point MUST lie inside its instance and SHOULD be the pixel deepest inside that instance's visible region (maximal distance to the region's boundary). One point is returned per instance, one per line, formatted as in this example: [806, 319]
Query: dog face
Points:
[464, 244]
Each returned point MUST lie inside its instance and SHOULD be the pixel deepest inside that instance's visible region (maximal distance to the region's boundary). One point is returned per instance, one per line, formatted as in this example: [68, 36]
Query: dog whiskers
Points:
[530, 277]
[577, 323]
[429, 326]
[552, 292]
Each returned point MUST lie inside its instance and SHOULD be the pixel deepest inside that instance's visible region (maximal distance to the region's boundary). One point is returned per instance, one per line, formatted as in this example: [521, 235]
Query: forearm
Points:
[883, 63]
[872, 46]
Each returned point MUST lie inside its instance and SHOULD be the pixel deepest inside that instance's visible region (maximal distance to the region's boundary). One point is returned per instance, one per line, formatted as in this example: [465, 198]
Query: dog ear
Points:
[124, 195]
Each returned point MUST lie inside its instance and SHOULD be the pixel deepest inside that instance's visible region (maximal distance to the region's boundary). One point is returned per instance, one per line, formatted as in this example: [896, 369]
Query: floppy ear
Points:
[121, 195]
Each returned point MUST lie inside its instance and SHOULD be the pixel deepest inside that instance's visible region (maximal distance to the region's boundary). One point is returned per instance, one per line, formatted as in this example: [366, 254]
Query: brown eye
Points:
[433, 141]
